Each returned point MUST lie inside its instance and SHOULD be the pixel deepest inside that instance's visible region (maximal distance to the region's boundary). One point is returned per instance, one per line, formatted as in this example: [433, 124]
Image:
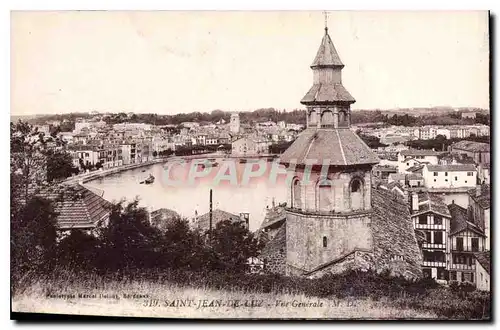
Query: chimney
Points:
[245, 217]
[414, 202]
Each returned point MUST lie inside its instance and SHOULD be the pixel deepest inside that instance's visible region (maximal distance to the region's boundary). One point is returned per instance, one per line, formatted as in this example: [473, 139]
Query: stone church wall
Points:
[307, 233]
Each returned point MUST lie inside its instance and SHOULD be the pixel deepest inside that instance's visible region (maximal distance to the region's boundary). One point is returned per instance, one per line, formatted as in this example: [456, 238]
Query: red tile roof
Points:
[336, 147]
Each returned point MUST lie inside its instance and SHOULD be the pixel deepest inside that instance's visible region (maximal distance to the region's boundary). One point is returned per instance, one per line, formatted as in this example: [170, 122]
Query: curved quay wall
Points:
[87, 177]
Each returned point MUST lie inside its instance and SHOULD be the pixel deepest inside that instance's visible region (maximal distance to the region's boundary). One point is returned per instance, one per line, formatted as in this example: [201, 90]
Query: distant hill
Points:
[420, 111]
[296, 116]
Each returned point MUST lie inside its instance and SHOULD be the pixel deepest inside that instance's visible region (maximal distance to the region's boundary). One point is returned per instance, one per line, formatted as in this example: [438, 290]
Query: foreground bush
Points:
[424, 295]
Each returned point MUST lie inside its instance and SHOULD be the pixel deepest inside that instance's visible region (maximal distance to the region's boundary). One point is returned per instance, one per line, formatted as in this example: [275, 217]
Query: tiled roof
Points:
[326, 93]
[273, 217]
[420, 152]
[484, 199]
[471, 146]
[451, 168]
[393, 233]
[415, 168]
[385, 168]
[78, 207]
[484, 258]
[203, 221]
[431, 203]
[336, 147]
[327, 55]
[277, 243]
[393, 185]
[460, 220]
[395, 188]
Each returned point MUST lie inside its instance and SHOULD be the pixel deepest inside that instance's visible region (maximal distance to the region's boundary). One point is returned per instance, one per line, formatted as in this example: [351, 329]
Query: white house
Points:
[422, 156]
[248, 147]
[449, 176]
[444, 132]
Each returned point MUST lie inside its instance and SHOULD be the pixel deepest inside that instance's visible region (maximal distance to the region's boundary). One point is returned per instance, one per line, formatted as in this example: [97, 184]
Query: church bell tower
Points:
[329, 197]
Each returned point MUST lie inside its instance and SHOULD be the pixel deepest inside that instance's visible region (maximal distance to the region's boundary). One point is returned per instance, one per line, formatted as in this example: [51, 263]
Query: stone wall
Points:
[340, 192]
[275, 262]
[306, 233]
[358, 260]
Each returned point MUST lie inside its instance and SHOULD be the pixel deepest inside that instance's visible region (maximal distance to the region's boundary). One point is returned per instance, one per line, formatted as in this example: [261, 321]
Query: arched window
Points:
[327, 119]
[355, 185]
[313, 117]
[325, 242]
[342, 118]
[325, 196]
[296, 195]
[357, 194]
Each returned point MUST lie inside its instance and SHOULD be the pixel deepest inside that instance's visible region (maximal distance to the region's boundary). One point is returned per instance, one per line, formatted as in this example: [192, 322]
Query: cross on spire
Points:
[326, 20]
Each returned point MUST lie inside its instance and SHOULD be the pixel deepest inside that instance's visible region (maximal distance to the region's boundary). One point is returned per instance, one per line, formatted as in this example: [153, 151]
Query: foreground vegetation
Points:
[350, 295]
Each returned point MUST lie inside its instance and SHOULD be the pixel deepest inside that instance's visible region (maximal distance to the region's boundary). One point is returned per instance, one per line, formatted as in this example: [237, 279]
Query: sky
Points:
[172, 62]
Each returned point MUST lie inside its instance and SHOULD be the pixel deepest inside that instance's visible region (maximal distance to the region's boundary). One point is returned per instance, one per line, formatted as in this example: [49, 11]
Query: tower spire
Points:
[325, 13]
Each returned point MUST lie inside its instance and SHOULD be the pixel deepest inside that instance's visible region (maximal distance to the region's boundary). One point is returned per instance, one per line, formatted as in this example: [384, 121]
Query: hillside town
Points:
[414, 212]
[94, 144]
[447, 191]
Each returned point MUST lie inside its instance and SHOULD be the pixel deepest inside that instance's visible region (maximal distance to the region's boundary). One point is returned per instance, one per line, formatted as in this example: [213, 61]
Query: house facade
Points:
[450, 176]
[431, 216]
[406, 157]
[465, 239]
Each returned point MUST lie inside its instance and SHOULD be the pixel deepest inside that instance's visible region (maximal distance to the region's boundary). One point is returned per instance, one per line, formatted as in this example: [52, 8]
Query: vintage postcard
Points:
[250, 165]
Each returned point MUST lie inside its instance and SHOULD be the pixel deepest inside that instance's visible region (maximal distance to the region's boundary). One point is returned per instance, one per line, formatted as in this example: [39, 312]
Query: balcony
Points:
[434, 264]
[429, 226]
[466, 249]
[441, 246]
[462, 267]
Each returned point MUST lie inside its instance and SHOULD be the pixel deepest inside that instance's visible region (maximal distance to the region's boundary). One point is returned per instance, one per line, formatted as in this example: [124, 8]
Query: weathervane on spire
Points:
[326, 20]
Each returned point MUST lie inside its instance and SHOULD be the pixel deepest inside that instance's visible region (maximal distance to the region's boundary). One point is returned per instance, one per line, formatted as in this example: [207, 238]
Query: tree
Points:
[155, 153]
[185, 248]
[129, 241]
[33, 237]
[78, 251]
[59, 165]
[233, 244]
[27, 159]
[372, 141]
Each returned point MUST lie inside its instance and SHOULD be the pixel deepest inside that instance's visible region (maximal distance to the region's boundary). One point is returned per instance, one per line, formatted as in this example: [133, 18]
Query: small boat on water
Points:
[143, 171]
[209, 163]
[243, 161]
[149, 180]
